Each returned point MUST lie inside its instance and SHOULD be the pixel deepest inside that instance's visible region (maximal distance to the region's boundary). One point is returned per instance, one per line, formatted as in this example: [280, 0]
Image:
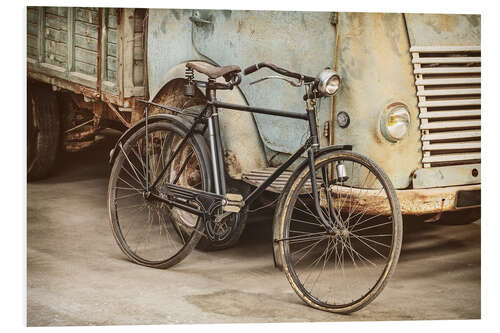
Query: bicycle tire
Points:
[174, 222]
[286, 239]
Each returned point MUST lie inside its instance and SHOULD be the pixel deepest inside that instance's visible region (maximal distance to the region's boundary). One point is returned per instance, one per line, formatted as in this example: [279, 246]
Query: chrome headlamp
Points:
[329, 82]
[395, 122]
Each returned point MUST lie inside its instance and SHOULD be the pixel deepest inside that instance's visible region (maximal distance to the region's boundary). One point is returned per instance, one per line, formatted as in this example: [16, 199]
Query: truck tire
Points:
[43, 132]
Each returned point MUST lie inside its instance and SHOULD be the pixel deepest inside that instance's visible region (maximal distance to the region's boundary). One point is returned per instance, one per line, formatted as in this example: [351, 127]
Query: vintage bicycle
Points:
[337, 226]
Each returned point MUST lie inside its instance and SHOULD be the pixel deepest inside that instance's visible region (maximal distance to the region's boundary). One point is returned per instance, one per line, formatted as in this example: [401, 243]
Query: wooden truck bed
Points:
[97, 52]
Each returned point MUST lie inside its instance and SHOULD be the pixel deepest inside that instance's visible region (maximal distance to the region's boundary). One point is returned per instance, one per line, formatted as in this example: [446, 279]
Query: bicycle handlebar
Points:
[282, 71]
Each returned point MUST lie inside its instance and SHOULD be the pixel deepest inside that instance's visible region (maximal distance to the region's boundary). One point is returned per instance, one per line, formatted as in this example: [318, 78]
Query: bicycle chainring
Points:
[223, 229]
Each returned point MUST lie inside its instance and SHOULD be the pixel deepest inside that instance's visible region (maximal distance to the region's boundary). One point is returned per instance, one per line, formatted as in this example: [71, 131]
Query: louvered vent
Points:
[448, 81]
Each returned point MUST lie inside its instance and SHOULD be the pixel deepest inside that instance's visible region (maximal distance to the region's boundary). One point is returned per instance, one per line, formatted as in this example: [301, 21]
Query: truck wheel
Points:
[43, 131]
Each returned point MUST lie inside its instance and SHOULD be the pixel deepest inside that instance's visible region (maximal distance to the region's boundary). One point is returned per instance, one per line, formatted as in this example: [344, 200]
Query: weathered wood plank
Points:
[59, 11]
[56, 22]
[112, 36]
[56, 35]
[51, 10]
[86, 56]
[32, 15]
[453, 102]
[438, 82]
[84, 68]
[452, 157]
[55, 59]
[111, 76]
[32, 52]
[56, 48]
[85, 29]
[112, 20]
[138, 74]
[450, 92]
[444, 49]
[112, 63]
[112, 49]
[86, 15]
[138, 39]
[87, 43]
[32, 41]
[449, 114]
[446, 60]
[32, 29]
[139, 15]
[138, 53]
[451, 124]
[453, 146]
[452, 135]
[71, 40]
[447, 70]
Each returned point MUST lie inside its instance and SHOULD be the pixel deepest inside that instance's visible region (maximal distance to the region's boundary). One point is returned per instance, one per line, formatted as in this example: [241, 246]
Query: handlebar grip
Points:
[250, 69]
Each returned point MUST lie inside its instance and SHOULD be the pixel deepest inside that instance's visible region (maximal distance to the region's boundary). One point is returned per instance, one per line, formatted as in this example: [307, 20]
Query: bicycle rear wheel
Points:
[151, 232]
[344, 270]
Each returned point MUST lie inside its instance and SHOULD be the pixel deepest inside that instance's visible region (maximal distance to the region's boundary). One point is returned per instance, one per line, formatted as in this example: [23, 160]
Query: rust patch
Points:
[172, 94]
[76, 146]
[233, 166]
[80, 89]
[412, 202]
[82, 135]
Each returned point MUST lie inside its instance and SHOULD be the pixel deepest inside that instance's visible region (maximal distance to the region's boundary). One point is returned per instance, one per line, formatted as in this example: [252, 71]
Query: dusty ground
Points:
[78, 276]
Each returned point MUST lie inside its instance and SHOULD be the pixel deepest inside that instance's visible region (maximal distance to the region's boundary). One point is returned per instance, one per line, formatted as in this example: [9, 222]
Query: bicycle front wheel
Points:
[345, 269]
[149, 231]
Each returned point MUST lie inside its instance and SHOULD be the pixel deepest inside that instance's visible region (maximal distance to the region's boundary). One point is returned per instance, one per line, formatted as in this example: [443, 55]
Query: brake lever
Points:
[293, 83]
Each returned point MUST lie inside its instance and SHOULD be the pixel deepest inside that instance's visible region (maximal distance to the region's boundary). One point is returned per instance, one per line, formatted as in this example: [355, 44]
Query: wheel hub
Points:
[146, 195]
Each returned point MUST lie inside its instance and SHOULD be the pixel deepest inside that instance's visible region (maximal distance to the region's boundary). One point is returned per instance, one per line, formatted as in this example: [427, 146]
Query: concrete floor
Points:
[78, 276]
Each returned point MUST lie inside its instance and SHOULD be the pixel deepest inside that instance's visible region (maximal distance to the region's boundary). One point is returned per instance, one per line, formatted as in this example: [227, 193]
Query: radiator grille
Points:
[448, 81]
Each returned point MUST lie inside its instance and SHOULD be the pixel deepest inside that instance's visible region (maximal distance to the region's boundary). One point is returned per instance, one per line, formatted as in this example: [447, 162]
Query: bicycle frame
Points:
[311, 146]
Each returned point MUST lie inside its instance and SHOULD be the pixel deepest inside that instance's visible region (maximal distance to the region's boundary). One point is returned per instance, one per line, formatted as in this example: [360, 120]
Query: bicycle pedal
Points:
[232, 209]
[234, 197]
[233, 203]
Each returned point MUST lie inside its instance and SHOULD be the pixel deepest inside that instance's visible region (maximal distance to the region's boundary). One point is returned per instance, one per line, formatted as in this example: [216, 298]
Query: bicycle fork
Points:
[311, 152]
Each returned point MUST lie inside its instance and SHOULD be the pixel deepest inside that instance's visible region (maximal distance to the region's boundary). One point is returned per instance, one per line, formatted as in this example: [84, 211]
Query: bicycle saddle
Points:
[214, 72]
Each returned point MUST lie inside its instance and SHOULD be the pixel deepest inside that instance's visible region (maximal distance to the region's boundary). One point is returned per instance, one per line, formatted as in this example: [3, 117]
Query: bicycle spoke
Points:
[126, 196]
[368, 245]
[131, 165]
[371, 227]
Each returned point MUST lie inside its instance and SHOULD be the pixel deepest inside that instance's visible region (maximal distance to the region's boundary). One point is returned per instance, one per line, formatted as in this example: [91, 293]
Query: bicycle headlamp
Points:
[395, 122]
[329, 82]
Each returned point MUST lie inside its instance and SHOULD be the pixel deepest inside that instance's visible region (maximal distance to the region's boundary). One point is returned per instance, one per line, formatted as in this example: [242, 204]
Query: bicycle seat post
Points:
[216, 148]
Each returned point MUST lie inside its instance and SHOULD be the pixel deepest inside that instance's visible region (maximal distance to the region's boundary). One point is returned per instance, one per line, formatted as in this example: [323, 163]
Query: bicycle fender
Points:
[304, 164]
[183, 123]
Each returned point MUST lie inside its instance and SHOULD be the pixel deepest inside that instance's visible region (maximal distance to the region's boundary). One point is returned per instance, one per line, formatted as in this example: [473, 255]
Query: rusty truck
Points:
[411, 95]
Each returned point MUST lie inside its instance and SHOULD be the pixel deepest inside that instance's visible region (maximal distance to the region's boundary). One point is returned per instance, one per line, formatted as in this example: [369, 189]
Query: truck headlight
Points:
[329, 82]
[395, 122]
